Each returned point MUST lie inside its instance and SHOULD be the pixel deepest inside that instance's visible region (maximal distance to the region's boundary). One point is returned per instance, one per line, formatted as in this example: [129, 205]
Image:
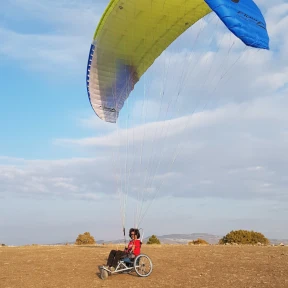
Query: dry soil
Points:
[174, 266]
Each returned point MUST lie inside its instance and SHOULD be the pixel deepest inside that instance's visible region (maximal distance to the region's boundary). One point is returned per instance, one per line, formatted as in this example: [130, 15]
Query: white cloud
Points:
[96, 124]
[260, 109]
[275, 80]
[63, 16]
[255, 168]
[39, 178]
[276, 14]
[230, 152]
[62, 39]
[54, 49]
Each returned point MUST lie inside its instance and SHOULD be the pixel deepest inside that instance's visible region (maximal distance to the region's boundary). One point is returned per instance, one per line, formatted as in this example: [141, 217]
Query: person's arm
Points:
[130, 247]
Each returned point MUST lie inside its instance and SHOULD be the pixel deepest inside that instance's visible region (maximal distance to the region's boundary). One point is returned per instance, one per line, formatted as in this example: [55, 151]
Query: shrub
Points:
[244, 237]
[198, 242]
[153, 240]
[84, 239]
[3, 245]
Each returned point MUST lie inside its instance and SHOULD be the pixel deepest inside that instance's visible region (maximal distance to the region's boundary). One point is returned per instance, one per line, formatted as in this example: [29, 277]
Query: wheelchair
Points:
[141, 264]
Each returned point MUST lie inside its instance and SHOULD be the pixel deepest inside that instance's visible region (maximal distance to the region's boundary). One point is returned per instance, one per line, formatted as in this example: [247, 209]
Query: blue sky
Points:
[56, 156]
[39, 101]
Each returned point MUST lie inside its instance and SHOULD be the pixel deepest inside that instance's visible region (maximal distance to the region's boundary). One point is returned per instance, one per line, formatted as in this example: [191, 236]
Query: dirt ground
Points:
[173, 266]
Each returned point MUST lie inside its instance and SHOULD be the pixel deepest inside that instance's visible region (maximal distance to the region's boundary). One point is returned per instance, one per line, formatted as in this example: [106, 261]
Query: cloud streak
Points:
[62, 38]
[224, 153]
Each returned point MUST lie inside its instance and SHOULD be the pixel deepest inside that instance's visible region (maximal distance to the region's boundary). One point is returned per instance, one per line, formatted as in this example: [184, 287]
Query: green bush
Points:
[244, 237]
[84, 239]
[198, 242]
[153, 240]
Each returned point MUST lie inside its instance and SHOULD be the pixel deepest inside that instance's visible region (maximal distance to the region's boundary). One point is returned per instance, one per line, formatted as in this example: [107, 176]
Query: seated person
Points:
[130, 252]
[134, 246]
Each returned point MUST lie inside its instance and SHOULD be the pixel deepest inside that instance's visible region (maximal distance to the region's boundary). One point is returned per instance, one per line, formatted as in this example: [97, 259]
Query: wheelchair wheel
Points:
[143, 265]
[103, 274]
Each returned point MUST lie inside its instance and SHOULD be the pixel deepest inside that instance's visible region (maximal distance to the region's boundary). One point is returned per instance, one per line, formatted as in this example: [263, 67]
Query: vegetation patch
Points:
[85, 239]
[153, 240]
[244, 237]
[199, 241]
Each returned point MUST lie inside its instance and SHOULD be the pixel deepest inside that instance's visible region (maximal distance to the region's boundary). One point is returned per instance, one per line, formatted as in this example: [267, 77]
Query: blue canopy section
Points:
[244, 19]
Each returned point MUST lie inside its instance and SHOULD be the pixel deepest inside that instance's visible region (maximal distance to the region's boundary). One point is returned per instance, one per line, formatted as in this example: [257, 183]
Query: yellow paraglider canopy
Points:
[139, 31]
[130, 36]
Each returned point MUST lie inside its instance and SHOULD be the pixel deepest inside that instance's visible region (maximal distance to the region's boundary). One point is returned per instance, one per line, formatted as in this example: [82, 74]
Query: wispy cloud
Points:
[228, 153]
[61, 44]
[260, 109]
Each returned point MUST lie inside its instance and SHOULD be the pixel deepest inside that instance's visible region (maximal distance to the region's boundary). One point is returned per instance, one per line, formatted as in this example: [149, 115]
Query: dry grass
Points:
[174, 266]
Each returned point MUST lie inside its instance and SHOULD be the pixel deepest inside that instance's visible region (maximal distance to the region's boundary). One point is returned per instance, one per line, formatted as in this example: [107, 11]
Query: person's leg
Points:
[129, 260]
[111, 258]
[117, 257]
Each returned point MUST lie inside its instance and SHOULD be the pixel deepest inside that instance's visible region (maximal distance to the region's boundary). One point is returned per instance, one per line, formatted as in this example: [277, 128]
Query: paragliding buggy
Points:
[142, 265]
[126, 261]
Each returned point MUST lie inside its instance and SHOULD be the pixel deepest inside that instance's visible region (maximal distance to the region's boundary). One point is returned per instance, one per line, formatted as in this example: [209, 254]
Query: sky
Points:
[202, 141]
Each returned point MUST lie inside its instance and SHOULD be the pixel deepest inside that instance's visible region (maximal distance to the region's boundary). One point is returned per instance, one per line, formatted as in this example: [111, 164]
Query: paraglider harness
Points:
[127, 251]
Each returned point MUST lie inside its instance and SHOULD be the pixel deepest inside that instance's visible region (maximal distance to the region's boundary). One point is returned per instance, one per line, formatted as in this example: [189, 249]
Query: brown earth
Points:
[174, 266]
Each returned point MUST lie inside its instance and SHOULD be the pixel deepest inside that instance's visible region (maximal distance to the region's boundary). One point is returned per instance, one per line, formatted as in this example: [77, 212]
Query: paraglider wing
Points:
[244, 19]
[132, 34]
[128, 39]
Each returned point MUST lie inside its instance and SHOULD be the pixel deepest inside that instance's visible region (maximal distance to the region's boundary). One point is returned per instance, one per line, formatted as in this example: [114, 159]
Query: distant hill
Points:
[278, 241]
[185, 238]
[179, 239]
[174, 238]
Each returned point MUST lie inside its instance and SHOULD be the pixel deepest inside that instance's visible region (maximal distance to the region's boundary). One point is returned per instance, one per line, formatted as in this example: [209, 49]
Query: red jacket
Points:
[137, 247]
